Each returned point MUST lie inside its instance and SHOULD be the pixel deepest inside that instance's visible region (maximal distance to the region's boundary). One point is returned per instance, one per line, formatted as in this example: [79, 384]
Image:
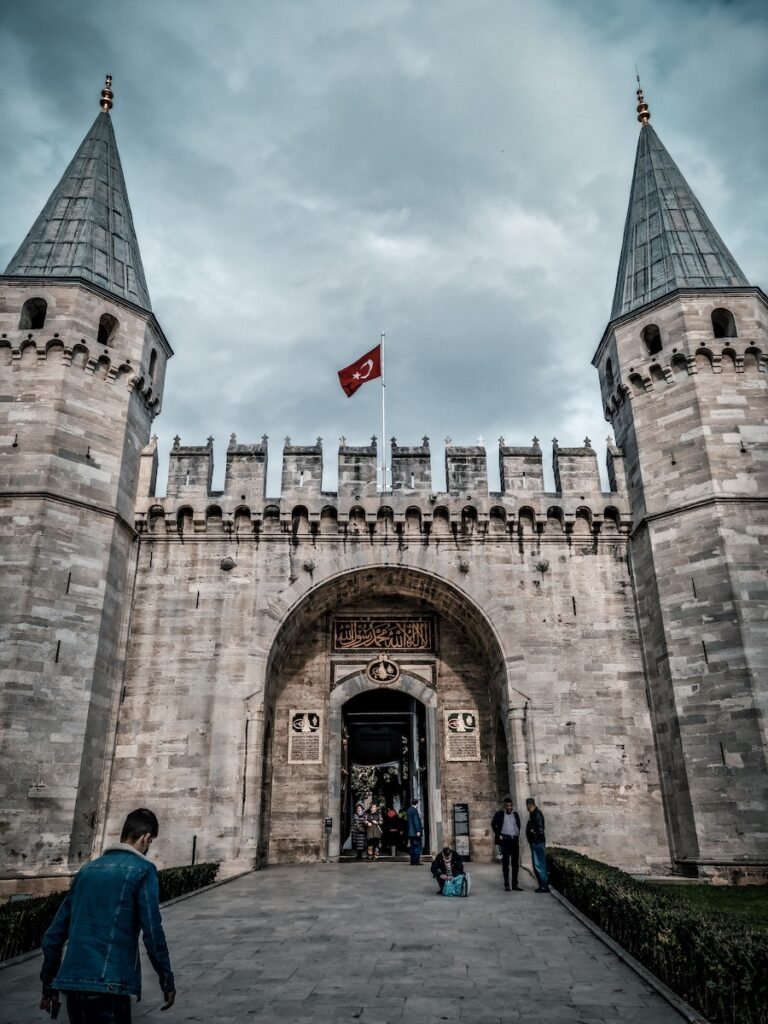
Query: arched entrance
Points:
[388, 738]
[440, 701]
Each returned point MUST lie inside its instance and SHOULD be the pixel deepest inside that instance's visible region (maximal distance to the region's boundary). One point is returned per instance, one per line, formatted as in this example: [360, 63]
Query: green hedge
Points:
[23, 923]
[177, 881]
[715, 965]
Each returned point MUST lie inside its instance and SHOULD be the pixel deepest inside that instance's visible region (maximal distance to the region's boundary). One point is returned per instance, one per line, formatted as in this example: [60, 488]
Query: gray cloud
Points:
[306, 174]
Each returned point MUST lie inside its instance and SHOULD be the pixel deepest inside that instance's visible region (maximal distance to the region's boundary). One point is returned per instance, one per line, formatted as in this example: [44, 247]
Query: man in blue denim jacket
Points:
[110, 901]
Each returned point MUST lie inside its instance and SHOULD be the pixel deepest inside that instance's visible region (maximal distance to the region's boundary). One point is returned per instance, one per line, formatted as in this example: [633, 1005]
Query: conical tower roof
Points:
[85, 230]
[669, 241]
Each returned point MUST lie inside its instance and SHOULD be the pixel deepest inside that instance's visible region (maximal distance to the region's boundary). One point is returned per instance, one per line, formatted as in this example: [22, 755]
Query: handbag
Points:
[456, 886]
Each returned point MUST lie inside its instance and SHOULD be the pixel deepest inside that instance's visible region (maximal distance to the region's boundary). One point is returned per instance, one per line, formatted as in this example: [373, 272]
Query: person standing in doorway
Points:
[111, 900]
[359, 831]
[415, 833]
[534, 833]
[506, 828]
[391, 831]
[374, 824]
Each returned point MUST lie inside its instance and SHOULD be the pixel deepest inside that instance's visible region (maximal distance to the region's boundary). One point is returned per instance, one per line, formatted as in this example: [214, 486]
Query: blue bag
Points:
[458, 886]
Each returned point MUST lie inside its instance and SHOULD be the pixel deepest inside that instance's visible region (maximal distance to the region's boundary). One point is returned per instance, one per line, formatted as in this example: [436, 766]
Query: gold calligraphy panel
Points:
[372, 634]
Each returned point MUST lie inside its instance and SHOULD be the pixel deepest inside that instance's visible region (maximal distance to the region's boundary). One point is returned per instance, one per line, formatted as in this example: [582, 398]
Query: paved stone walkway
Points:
[328, 944]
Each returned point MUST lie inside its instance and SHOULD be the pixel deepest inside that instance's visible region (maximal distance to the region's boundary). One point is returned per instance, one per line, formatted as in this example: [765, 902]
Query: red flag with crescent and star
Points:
[367, 367]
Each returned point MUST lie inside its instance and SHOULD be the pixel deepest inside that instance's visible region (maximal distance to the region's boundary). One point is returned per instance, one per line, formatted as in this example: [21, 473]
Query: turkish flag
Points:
[367, 367]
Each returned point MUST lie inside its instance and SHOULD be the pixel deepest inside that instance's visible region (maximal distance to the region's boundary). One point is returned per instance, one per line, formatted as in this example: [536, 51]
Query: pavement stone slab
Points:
[317, 943]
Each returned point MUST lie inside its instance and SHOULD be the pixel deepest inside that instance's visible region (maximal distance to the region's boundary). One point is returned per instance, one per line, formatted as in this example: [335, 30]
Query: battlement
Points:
[410, 501]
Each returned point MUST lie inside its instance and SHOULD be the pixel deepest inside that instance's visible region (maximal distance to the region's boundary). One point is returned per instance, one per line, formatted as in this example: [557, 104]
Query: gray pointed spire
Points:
[85, 230]
[669, 241]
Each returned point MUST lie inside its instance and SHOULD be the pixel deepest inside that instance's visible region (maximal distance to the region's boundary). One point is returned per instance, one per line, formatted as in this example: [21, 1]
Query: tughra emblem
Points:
[382, 670]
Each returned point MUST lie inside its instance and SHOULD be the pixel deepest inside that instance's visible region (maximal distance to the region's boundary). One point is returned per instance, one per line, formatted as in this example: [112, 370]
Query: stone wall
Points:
[230, 631]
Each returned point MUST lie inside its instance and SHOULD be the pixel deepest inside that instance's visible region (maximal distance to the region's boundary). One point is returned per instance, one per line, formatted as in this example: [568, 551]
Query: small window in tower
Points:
[152, 364]
[107, 328]
[652, 338]
[723, 324]
[33, 314]
[609, 373]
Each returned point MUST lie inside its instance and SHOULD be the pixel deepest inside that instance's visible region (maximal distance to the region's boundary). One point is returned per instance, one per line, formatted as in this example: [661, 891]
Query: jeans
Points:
[510, 853]
[98, 1008]
[414, 843]
[539, 859]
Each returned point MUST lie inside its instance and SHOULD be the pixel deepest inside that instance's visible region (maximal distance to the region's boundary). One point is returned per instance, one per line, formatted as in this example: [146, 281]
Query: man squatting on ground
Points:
[534, 833]
[506, 828]
[445, 866]
[110, 901]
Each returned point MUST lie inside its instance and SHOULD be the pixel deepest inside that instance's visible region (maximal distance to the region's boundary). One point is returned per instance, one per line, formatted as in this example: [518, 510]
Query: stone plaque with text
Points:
[305, 737]
[462, 735]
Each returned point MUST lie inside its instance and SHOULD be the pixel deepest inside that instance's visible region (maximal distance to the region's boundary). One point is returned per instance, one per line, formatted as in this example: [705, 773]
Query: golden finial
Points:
[643, 113]
[106, 95]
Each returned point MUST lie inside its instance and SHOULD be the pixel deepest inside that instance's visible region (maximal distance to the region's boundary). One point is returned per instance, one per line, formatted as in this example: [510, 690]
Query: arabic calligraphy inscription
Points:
[383, 634]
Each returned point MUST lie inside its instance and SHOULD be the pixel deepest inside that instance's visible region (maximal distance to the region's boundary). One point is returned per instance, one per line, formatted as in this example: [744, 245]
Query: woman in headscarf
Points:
[359, 831]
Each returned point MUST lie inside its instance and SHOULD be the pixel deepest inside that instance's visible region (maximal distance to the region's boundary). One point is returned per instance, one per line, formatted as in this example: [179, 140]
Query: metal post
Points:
[383, 421]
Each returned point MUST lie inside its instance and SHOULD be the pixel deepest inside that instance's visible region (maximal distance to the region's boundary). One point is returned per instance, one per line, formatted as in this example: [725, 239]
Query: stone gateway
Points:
[252, 665]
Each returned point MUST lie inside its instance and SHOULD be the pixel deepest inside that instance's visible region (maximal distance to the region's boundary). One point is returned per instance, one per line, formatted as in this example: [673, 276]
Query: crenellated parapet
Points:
[465, 509]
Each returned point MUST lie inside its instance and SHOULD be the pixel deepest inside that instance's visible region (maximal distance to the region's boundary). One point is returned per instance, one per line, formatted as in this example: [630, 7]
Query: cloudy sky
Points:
[305, 174]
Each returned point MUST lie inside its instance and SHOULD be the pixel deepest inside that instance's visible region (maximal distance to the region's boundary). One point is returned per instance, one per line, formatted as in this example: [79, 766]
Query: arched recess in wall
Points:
[679, 365]
[299, 522]
[497, 519]
[108, 325]
[243, 524]
[33, 314]
[728, 362]
[329, 520]
[723, 323]
[309, 621]
[441, 522]
[752, 358]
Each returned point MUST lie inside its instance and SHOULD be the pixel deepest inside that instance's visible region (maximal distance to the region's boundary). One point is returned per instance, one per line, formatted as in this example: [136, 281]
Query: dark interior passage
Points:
[384, 756]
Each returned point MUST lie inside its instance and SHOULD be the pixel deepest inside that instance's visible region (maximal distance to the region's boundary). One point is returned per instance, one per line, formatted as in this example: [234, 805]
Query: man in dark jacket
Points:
[534, 833]
[447, 864]
[415, 832]
[111, 900]
[506, 829]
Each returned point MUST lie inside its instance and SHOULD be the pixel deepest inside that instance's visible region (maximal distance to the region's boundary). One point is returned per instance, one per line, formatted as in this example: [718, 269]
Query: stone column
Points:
[253, 756]
[518, 752]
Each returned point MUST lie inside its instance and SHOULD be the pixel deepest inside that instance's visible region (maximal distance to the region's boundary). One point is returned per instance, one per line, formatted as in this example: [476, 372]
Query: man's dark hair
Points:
[137, 824]
[530, 800]
[507, 800]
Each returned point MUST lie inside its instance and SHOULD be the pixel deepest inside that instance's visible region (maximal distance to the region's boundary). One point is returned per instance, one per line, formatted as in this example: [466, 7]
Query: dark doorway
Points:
[384, 755]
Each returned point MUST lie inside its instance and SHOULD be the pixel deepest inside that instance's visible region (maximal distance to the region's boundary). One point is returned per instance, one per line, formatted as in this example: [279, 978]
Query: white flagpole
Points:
[383, 422]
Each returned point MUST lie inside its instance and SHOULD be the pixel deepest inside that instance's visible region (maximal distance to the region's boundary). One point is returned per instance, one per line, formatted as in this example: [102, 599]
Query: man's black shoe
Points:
[506, 888]
[541, 890]
[516, 888]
